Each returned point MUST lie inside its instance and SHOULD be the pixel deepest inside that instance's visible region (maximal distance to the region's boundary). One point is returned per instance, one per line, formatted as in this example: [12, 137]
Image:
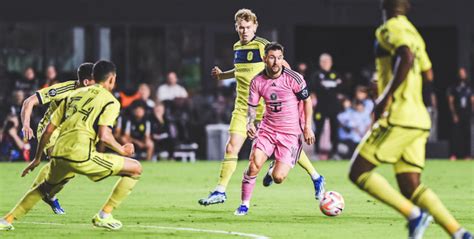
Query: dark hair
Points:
[85, 71]
[102, 69]
[138, 104]
[273, 46]
[400, 6]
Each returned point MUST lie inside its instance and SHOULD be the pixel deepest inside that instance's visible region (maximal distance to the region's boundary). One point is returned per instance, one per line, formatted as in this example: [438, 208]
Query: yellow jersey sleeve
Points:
[55, 92]
[393, 36]
[424, 61]
[110, 114]
[58, 114]
[262, 42]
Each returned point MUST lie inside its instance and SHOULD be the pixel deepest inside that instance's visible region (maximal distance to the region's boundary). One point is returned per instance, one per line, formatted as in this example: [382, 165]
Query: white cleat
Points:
[6, 226]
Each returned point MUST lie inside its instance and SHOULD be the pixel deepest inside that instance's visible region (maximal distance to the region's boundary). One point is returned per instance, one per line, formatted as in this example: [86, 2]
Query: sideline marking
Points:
[249, 235]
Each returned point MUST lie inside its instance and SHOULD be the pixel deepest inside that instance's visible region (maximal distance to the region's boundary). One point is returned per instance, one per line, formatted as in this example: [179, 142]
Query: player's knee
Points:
[229, 148]
[254, 168]
[278, 177]
[137, 169]
[358, 167]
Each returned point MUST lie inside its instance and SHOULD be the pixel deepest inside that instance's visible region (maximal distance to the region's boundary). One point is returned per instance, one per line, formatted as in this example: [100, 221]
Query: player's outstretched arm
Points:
[308, 128]
[40, 149]
[106, 136]
[403, 62]
[26, 110]
[218, 74]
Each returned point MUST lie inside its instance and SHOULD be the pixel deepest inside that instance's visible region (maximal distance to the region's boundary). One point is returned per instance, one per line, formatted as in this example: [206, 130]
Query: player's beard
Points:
[273, 71]
[276, 69]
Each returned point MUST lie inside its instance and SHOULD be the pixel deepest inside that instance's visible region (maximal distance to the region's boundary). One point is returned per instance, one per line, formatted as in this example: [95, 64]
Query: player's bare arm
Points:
[218, 74]
[309, 137]
[452, 109]
[251, 116]
[428, 75]
[106, 136]
[40, 149]
[403, 62]
[26, 111]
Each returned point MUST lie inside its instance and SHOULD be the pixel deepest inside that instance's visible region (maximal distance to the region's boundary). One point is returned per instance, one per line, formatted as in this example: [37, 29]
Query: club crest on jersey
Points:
[249, 56]
[273, 96]
[304, 93]
[332, 76]
[52, 92]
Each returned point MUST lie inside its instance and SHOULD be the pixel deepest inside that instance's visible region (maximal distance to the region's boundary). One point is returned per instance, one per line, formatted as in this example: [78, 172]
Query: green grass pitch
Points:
[164, 204]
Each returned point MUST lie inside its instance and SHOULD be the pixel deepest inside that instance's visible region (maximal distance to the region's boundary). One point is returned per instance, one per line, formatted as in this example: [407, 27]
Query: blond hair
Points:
[245, 14]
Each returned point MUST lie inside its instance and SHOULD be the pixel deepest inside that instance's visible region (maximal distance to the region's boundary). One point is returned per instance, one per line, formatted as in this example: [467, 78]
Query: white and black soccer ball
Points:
[332, 204]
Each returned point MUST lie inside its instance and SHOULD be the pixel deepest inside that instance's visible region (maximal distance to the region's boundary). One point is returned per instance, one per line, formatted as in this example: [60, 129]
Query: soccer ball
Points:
[332, 204]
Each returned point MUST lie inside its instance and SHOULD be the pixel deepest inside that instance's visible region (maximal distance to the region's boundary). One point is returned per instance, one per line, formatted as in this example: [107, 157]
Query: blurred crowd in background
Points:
[163, 118]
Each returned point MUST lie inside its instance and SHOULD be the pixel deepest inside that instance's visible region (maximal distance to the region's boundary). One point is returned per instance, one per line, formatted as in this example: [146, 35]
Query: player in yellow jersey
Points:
[86, 117]
[401, 127]
[52, 95]
[248, 55]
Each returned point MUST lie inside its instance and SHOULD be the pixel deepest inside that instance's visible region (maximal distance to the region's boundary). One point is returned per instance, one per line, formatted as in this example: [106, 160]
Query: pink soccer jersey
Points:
[282, 97]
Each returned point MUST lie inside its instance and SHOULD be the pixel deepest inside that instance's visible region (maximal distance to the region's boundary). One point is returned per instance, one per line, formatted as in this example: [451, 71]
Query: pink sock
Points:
[248, 183]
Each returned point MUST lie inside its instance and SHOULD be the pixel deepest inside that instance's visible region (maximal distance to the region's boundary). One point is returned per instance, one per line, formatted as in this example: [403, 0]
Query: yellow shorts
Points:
[238, 123]
[98, 167]
[401, 146]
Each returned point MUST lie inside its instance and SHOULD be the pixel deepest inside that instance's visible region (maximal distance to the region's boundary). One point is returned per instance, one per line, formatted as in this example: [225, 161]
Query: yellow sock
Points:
[377, 186]
[24, 205]
[41, 175]
[122, 189]
[425, 198]
[305, 163]
[228, 167]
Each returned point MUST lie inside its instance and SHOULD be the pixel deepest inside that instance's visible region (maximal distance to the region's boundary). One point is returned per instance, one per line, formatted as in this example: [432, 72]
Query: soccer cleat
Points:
[242, 210]
[319, 187]
[417, 226]
[462, 234]
[6, 226]
[55, 206]
[268, 180]
[108, 223]
[466, 235]
[213, 198]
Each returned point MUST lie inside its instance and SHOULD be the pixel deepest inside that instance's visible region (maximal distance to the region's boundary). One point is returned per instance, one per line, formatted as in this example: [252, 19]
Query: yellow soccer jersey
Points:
[248, 62]
[79, 116]
[407, 107]
[52, 95]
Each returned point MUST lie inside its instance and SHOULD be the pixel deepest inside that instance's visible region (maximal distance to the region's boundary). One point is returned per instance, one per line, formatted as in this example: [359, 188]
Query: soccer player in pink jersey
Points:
[280, 131]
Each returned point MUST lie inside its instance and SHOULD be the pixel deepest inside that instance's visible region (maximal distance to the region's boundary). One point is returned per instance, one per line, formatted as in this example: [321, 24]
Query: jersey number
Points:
[85, 111]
